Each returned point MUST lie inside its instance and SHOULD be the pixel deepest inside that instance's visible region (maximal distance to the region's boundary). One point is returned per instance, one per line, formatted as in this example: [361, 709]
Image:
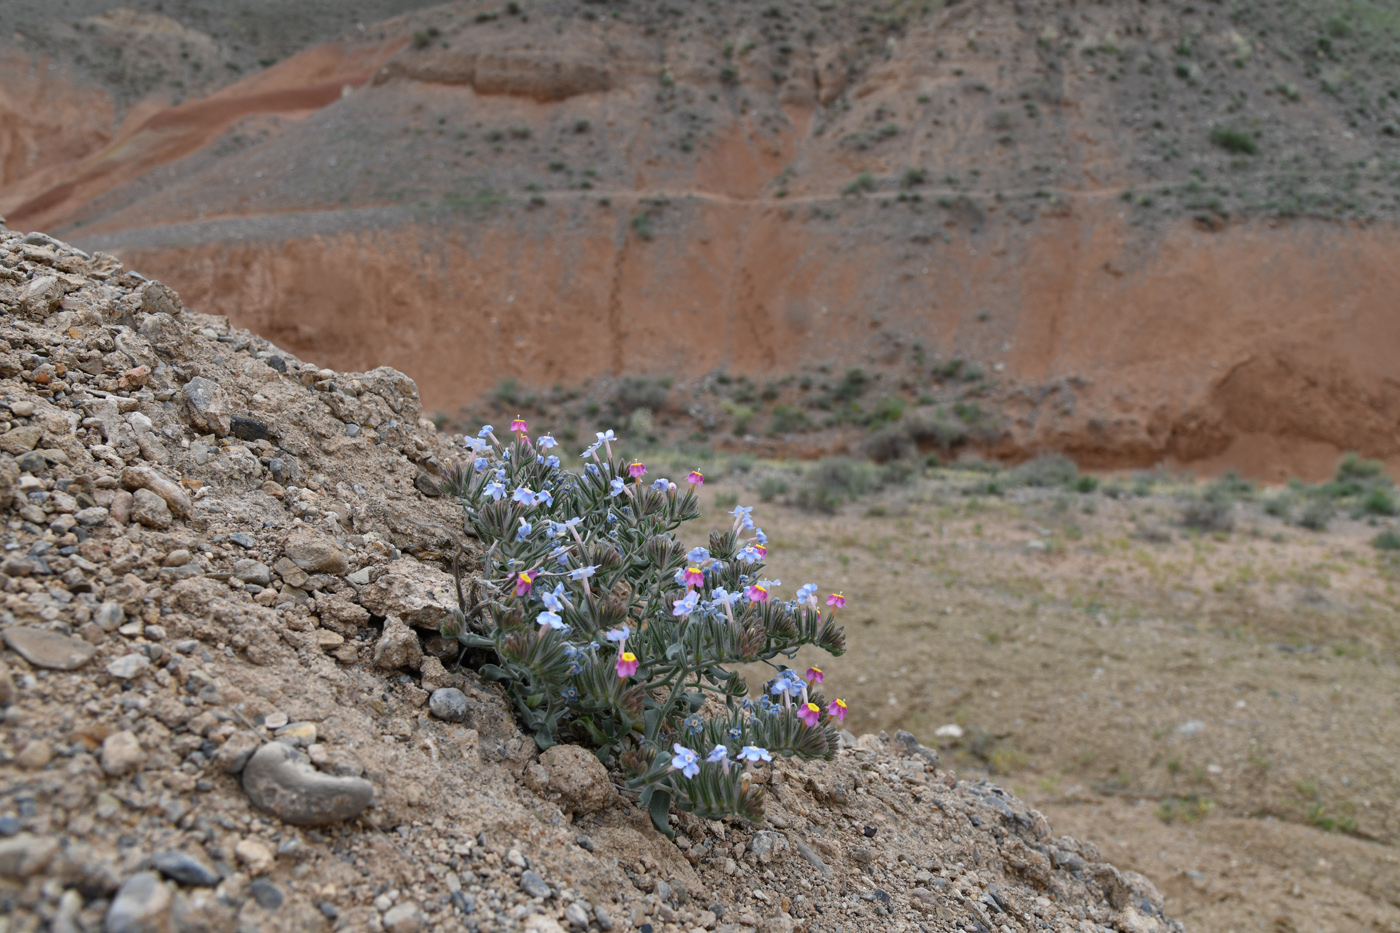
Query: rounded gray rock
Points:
[280, 779]
[448, 704]
[142, 905]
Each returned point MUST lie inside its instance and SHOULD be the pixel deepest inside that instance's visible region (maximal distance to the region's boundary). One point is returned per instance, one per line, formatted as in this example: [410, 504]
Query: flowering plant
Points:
[607, 630]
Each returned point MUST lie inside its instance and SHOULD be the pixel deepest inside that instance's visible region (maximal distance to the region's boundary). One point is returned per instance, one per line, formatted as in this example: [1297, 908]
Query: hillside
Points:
[227, 704]
[1162, 232]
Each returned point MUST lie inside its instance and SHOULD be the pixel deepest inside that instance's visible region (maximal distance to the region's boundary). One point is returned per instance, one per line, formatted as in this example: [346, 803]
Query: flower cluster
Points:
[606, 630]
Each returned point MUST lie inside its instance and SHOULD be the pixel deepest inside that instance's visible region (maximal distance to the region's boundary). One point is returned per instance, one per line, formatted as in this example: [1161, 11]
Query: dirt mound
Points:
[212, 546]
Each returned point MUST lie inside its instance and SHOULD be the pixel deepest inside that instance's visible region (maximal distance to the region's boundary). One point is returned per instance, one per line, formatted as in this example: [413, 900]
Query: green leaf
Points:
[494, 672]
[660, 809]
[544, 738]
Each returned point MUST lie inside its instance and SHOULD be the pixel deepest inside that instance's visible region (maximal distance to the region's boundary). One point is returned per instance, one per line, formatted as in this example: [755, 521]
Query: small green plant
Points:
[1188, 809]
[1316, 514]
[864, 182]
[787, 419]
[605, 630]
[641, 223]
[832, 481]
[1046, 470]
[1234, 140]
[772, 486]
[1386, 541]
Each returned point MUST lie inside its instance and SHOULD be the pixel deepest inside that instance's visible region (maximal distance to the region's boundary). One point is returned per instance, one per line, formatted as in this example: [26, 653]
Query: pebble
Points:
[248, 429]
[315, 552]
[255, 856]
[252, 571]
[275, 720]
[186, 869]
[604, 919]
[300, 734]
[35, 755]
[267, 894]
[232, 757]
[150, 510]
[142, 905]
[398, 646]
[121, 754]
[577, 915]
[1191, 727]
[24, 855]
[47, 649]
[176, 558]
[404, 918]
[245, 541]
[280, 779]
[448, 704]
[532, 884]
[128, 666]
[110, 616]
[92, 516]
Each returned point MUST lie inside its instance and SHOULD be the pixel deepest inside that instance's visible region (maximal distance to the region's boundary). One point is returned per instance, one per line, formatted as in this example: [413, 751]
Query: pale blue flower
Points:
[544, 496]
[697, 555]
[524, 530]
[570, 694]
[684, 759]
[560, 554]
[485, 432]
[554, 599]
[583, 573]
[550, 619]
[684, 607]
[618, 634]
[694, 724]
[524, 496]
[749, 555]
[480, 464]
[754, 754]
[759, 536]
[744, 512]
[723, 597]
[718, 755]
[496, 491]
[605, 436]
[501, 475]
[475, 444]
[735, 734]
[661, 484]
[545, 442]
[589, 451]
[616, 487]
[552, 462]
[593, 470]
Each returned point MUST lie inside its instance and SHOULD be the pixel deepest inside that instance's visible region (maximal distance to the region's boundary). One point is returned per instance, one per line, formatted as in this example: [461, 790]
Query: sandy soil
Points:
[1217, 712]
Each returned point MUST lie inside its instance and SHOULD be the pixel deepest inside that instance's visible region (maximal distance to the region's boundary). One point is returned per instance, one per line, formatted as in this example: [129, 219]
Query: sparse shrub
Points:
[913, 178]
[864, 182]
[1279, 506]
[633, 392]
[641, 422]
[508, 392]
[424, 38]
[641, 223]
[594, 644]
[1086, 484]
[1354, 469]
[1212, 511]
[787, 419]
[887, 410]
[772, 486]
[889, 443]
[1046, 470]
[742, 415]
[937, 430]
[1316, 514]
[832, 481]
[1378, 501]
[1387, 540]
[1234, 140]
[852, 385]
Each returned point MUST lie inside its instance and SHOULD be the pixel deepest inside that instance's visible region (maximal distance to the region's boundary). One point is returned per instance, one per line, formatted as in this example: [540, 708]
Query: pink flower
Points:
[636, 470]
[693, 576]
[696, 478]
[525, 582]
[809, 713]
[814, 674]
[518, 426]
[762, 551]
[837, 709]
[757, 594]
[627, 664]
[837, 600]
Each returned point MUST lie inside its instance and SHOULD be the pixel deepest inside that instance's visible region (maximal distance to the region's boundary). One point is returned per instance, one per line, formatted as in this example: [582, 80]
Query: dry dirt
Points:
[210, 546]
[1218, 712]
[768, 189]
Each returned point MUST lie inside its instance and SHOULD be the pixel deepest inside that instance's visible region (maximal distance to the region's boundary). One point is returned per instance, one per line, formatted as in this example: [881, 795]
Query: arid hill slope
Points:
[1167, 229]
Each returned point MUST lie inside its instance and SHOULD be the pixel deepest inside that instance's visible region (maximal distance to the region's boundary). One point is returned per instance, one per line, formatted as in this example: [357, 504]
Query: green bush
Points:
[1046, 470]
[937, 430]
[1212, 511]
[886, 410]
[1233, 140]
[788, 419]
[772, 486]
[1379, 501]
[594, 643]
[832, 481]
[889, 443]
[1386, 541]
[852, 385]
[1316, 514]
[633, 392]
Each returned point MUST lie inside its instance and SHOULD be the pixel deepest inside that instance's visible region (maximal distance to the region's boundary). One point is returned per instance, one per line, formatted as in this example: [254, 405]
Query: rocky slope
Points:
[225, 705]
[1165, 228]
